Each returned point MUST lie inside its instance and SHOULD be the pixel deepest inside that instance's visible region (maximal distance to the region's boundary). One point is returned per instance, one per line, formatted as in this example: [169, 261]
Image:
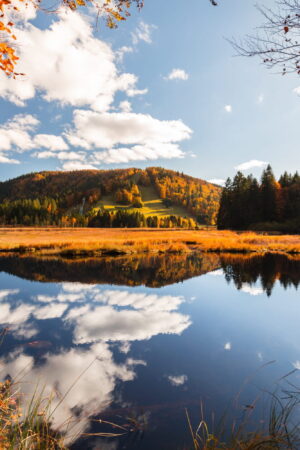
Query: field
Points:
[153, 205]
[99, 241]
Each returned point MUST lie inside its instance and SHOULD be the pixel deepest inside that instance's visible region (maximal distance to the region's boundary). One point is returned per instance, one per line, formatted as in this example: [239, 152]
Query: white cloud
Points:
[56, 373]
[122, 51]
[142, 33]
[73, 156]
[218, 181]
[125, 347]
[227, 346]
[80, 72]
[252, 290]
[228, 108]
[50, 141]
[177, 380]
[4, 160]
[6, 292]
[17, 135]
[216, 273]
[125, 106]
[296, 365]
[50, 311]
[15, 132]
[251, 164]
[132, 92]
[177, 74]
[77, 165]
[109, 324]
[144, 316]
[138, 153]
[106, 130]
[83, 72]
[297, 90]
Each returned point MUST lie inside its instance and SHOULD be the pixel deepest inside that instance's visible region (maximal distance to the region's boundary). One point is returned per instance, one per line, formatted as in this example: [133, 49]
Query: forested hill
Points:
[75, 197]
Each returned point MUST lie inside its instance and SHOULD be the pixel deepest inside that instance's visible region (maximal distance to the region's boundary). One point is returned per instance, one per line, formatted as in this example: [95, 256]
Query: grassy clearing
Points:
[99, 241]
[153, 205]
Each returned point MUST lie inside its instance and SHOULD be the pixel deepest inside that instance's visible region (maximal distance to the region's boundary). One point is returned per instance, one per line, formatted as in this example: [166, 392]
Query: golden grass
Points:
[96, 241]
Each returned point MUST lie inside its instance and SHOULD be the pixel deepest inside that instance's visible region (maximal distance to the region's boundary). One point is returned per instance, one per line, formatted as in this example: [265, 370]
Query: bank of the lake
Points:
[103, 241]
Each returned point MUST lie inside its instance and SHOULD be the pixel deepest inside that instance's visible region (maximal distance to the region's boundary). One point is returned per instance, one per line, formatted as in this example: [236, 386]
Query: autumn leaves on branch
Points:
[111, 11]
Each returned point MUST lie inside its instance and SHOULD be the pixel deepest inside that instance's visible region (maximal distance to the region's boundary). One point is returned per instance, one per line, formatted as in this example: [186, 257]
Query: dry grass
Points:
[93, 241]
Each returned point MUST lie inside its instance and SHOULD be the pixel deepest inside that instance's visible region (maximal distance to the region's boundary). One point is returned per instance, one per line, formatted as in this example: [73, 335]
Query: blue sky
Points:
[163, 89]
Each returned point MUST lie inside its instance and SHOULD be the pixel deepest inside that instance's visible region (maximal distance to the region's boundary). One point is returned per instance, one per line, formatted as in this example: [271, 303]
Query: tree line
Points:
[45, 212]
[267, 205]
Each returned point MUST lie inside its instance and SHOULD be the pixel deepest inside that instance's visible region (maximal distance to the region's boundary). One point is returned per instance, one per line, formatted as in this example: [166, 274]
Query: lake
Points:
[138, 341]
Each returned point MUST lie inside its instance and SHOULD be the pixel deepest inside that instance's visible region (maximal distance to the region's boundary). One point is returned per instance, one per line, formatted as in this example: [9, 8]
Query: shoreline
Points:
[100, 242]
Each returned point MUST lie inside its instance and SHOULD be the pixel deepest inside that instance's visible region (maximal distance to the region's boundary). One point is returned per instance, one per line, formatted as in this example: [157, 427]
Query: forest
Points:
[268, 205]
[78, 198]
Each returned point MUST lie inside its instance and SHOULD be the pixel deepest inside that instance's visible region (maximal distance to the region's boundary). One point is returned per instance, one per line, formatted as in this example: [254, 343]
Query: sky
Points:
[163, 89]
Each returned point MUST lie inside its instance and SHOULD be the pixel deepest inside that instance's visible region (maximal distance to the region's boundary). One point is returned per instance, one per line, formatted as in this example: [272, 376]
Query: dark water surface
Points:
[136, 341]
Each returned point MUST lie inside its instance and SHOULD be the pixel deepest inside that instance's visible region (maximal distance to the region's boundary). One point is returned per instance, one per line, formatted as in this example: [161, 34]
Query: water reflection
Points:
[151, 350]
[151, 271]
[95, 317]
[246, 271]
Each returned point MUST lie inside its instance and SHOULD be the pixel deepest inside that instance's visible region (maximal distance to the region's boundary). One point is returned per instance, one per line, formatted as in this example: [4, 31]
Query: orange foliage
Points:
[113, 12]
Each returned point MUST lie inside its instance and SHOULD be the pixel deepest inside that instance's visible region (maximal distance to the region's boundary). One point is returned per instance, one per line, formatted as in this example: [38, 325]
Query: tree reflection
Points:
[267, 269]
[151, 271]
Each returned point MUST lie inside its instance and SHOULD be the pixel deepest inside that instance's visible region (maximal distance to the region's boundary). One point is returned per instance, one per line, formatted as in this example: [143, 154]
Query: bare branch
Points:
[277, 41]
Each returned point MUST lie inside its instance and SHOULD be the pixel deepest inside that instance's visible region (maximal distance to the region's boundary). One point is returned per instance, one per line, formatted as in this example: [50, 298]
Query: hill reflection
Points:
[160, 270]
[151, 271]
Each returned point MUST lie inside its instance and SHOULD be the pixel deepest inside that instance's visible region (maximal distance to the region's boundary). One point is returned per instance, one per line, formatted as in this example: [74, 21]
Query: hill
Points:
[56, 197]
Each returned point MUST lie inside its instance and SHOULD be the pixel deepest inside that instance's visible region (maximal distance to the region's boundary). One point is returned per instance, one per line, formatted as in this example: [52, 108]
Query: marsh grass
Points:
[91, 241]
[30, 428]
[282, 430]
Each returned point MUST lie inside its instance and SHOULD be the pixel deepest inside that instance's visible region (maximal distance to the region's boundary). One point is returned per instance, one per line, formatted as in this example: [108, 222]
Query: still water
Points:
[137, 341]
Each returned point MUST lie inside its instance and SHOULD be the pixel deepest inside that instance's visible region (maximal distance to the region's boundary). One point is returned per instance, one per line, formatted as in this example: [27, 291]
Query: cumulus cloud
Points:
[177, 380]
[253, 163]
[142, 33]
[6, 292]
[50, 141]
[122, 51]
[15, 132]
[17, 135]
[252, 290]
[109, 324]
[77, 165]
[83, 72]
[216, 273]
[5, 160]
[60, 155]
[228, 108]
[218, 181]
[177, 74]
[106, 130]
[91, 393]
[125, 106]
[80, 72]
